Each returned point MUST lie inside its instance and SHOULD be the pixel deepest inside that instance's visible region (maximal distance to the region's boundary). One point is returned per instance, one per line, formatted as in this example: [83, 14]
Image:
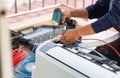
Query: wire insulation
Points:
[21, 71]
[101, 55]
[105, 43]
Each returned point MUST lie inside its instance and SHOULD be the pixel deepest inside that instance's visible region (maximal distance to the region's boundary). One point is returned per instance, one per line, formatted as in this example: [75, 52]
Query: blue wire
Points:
[95, 52]
[104, 57]
[25, 73]
[25, 62]
[21, 75]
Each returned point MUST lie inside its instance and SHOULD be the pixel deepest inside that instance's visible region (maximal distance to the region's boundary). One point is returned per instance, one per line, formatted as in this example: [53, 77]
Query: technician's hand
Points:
[69, 36]
[65, 14]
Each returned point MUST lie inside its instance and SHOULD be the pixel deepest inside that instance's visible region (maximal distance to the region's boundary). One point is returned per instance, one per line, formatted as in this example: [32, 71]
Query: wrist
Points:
[86, 30]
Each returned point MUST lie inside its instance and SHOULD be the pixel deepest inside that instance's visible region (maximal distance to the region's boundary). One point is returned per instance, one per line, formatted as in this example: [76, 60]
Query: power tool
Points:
[57, 19]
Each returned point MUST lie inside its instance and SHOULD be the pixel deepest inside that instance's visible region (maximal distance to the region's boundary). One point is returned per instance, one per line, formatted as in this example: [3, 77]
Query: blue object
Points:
[57, 16]
[25, 62]
[57, 19]
[101, 55]
[22, 67]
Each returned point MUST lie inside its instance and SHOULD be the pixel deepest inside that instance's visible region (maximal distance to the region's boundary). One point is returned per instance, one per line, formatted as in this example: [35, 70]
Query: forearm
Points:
[86, 30]
[80, 13]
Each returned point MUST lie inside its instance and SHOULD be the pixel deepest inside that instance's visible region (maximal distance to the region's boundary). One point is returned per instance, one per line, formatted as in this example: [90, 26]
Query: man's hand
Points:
[74, 34]
[69, 36]
[65, 14]
[79, 13]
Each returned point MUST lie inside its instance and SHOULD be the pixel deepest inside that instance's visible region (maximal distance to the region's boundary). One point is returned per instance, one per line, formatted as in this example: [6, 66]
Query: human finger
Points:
[62, 32]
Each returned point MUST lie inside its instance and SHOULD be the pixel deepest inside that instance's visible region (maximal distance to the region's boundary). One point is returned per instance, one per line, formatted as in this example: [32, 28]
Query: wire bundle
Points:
[109, 45]
[18, 55]
[21, 70]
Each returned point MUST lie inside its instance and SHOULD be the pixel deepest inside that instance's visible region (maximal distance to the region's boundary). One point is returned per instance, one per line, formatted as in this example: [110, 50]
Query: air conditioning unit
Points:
[55, 60]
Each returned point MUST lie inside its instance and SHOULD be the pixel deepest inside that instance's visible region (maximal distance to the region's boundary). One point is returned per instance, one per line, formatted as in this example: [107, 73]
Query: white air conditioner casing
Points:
[54, 61]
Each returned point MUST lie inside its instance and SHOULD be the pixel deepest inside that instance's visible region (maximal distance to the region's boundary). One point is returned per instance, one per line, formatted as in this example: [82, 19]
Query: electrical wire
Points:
[19, 74]
[25, 73]
[25, 62]
[22, 67]
[29, 59]
[104, 57]
[18, 55]
[105, 43]
[21, 70]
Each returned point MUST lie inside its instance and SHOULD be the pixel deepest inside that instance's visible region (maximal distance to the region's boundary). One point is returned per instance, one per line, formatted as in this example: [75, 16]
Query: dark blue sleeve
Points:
[98, 9]
[110, 19]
